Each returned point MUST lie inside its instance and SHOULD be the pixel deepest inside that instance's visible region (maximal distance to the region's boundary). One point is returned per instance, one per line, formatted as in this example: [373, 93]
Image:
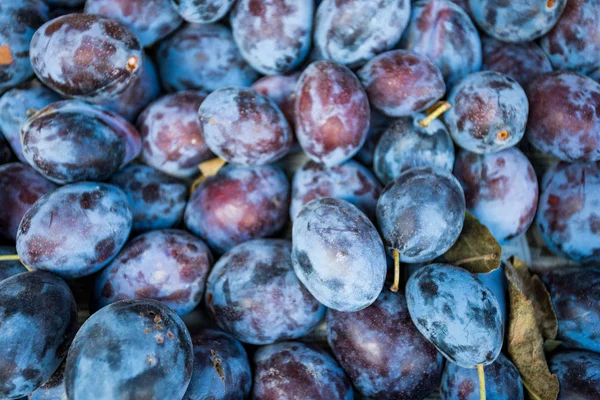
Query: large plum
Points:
[202, 11]
[457, 313]
[244, 126]
[53, 389]
[282, 90]
[338, 254]
[238, 204]
[75, 230]
[38, 319]
[10, 268]
[293, 370]
[578, 374]
[332, 113]
[132, 349]
[382, 351]
[253, 293]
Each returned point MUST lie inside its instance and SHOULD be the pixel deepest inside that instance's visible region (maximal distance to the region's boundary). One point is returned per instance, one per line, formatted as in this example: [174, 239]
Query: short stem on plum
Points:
[481, 381]
[396, 286]
[10, 257]
[503, 135]
[211, 167]
[434, 112]
[485, 257]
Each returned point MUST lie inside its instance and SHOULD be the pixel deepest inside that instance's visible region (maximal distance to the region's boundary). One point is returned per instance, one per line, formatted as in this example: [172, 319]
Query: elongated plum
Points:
[501, 190]
[303, 371]
[253, 293]
[202, 11]
[382, 351]
[75, 230]
[564, 118]
[238, 204]
[421, 214]
[53, 389]
[332, 113]
[578, 374]
[338, 254]
[405, 144]
[38, 318]
[10, 268]
[20, 188]
[86, 56]
[131, 349]
[567, 216]
[349, 181]
[244, 126]
[457, 313]
[282, 90]
[221, 367]
[353, 32]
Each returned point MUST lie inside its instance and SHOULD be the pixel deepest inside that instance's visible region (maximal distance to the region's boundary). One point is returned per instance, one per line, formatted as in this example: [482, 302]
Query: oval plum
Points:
[578, 373]
[282, 90]
[202, 11]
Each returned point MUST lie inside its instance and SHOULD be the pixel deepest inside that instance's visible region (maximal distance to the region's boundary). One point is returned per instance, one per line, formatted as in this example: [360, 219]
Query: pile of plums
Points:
[214, 199]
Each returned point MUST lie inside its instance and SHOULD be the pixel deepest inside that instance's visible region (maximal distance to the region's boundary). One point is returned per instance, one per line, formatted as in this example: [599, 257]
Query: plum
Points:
[38, 319]
[281, 89]
[202, 11]
[10, 268]
[332, 113]
[131, 349]
[378, 124]
[76, 230]
[578, 374]
[253, 293]
[53, 389]
[382, 351]
[338, 255]
[6, 154]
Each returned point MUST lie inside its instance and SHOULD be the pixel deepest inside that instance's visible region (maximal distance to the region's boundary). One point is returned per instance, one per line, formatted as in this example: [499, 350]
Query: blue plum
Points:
[457, 313]
[38, 319]
[382, 351]
[578, 374]
[75, 230]
[378, 124]
[53, 389]
[132, 349]
[293, 370]
[502, 381]
[421, 214]
[338, 255]
[202, 11]
[489, 112]
[10, 268]
[156, 200]
[405, 144]
[221, 368]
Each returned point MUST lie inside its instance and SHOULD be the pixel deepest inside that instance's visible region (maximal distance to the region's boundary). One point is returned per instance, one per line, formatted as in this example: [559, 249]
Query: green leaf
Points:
[476, 249]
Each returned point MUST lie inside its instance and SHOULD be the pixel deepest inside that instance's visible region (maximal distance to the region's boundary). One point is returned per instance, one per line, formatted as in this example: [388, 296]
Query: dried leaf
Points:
[6, 57]
[525, 340]
[476, 249]
[551, 345]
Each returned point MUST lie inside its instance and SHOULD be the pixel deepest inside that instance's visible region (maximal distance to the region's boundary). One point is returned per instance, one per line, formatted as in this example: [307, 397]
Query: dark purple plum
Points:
[400, 83]
[202, 57]
[6, 154]
[575, 294]
[132, 349]
[20, 188]
[443, 32]
[501, 190]
[349, 181]
[244, 126]
[282, 90]
[10, 268]
[405, 144]
[421, 214]
[72, 141]
[76, 230]
[332, 113]
[169, 265]
[521, 61]
[238, 204]
[294, 370]
[253, 293]
[17, 105]
[85, 56]
[351, 32]
[221, 368]
[502, 381]
[38, 320]
[578, 374]
[156, 200]
[516, 21]
[273, 36]
[457, 313]
[567, 215]
[338, 254]
[149, 20]
[202, 11]
[489, 112]
[382, 351]
[18, 22]
[172, 136]
[564, 117]
[53, 389]
[379, 123]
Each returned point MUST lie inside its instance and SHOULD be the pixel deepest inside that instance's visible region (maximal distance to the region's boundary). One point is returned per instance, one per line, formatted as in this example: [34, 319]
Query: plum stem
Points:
[10, 257]
[6, 57]
[434, 112]
[396, 284]
[485, 257]
[481, 381]
[503, 135]
[207, 168]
